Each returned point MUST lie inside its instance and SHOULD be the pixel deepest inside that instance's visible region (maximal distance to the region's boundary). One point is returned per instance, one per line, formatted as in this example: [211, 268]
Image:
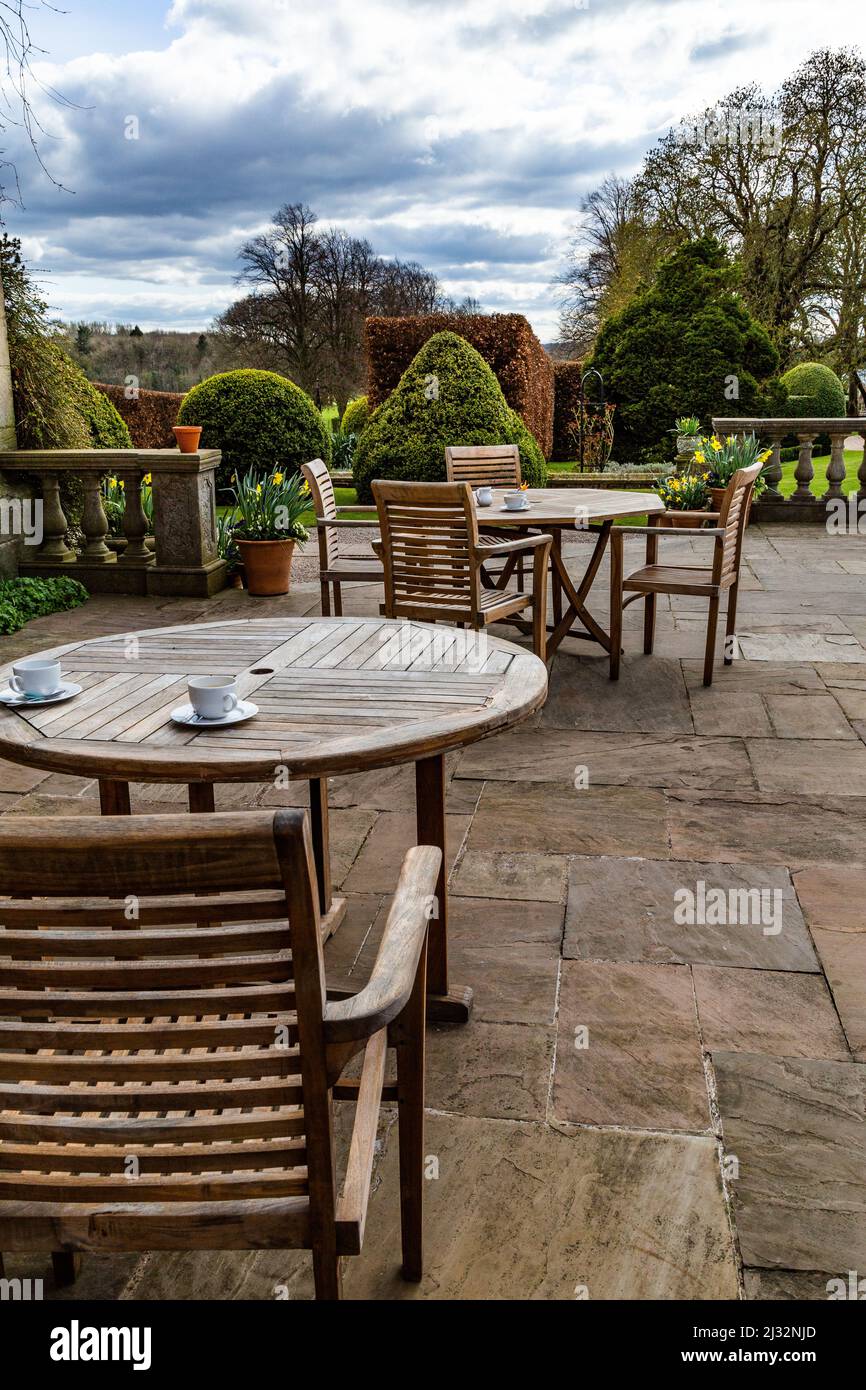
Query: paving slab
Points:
[377, 866]
[797, 1129]
[609, 759]
[728, 712]
[648, 698]
[808, 716]
[521, 817]
[527, 1212]
[743, 677]
[495, 1069]
[780, 1013]
[627, 1049]
[641, 910]
[810, 766]
[783, 1285]
[530, 877]
[799, 646]
[766, 828]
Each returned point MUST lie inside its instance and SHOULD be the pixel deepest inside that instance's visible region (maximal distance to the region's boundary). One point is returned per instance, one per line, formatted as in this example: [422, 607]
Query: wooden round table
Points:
[335, 695]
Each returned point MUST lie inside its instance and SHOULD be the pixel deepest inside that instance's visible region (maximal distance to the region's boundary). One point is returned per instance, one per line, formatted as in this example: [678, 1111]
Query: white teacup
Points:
[36, 676]
[516, 501]
[484, 496]
[212, 696]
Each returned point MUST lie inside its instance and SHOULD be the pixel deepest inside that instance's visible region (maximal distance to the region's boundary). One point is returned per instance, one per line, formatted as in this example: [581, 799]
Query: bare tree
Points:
[17, 81]
[614, 249]
[312, 289]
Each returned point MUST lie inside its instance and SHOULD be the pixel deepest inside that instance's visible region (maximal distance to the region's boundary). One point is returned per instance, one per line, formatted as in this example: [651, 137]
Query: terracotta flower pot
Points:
[187, 437]
[716, 495]
[679, 522]
[267, 566]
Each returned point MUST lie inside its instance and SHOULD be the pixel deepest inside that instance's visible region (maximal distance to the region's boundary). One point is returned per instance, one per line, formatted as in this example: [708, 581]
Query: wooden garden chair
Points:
[168, 1062]
[709, 581]
[336, 567]
[433, 560]
[489, 465]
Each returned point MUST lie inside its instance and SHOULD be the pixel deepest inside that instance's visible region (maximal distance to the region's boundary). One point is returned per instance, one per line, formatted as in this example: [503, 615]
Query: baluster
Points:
[861, 474]
[805, 470]
[94, 524]
[134, 520]
[773, 471]
[836, 467]
[54, 550]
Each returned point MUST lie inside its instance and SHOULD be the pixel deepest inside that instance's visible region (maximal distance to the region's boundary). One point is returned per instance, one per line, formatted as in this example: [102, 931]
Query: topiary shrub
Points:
[685, 345]
[447, 395]
[259, 420]
[355, 416]
[813, 389]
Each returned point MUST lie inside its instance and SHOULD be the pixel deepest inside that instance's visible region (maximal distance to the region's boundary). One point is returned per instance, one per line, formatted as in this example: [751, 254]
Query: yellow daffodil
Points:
[147, 480]
[258, 489]
[277, 479]
[762, 458]
[700, 457]
[717, 446]
[705, 476]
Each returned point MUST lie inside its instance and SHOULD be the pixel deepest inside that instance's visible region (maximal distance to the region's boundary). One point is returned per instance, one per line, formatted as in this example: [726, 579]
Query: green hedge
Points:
[355, 416]
[23, 599]
[447, 395]
[259, 420]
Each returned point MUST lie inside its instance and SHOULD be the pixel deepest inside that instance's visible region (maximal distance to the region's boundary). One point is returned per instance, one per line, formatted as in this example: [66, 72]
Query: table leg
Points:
[577, 596]
[114, 797]
[332, 909]
[555, 576]
[444, 1005]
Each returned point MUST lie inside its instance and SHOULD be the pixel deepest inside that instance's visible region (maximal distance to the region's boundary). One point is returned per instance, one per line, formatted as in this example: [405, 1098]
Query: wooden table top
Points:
[335, 695]
[571, 507]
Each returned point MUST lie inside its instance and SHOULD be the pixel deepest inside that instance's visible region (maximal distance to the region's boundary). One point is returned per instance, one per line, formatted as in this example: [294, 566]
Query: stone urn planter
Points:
[267, 566]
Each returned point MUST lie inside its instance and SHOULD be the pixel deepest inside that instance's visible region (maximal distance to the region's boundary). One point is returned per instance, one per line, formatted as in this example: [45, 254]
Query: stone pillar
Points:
[835, 468]
[94, 524]
[773, 471]
[184, 508]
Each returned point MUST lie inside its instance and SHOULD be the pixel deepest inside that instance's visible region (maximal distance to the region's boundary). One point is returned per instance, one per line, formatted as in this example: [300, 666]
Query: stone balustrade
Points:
[184, 561]
[802, 505]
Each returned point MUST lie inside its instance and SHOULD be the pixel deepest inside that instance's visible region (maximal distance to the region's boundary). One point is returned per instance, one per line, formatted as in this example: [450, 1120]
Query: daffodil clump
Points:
[724, 457]
[269, 507]
[685, 492]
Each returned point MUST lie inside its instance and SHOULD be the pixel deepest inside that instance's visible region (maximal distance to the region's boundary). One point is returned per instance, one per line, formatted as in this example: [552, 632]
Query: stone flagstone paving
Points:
[643, 1105]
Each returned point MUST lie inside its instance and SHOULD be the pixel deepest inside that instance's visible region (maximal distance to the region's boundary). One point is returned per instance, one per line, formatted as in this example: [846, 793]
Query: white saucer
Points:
[15, 701]
[185, 714]
[515, 511]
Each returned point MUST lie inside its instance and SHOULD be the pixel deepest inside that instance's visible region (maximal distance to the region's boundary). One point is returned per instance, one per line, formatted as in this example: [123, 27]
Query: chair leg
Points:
[326, 599]
[338, 600]
[710, 653]
[328, 1276]
[67, 1267]
[410, 1100]
[540, 564]
[731, 624]
[649, 623]
[520, 576]
[616, 558]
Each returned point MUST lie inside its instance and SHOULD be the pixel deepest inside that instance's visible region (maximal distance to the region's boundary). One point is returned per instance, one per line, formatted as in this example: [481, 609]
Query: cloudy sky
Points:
[460, 133]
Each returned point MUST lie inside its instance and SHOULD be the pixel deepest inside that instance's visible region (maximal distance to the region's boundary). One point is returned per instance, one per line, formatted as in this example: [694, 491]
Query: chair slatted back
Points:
[428, 533]
[161, 1006]
[325, 504]
[483, 465]
[733, 516]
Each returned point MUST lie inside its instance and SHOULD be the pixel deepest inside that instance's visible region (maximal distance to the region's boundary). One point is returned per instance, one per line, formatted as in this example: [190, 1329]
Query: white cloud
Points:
[401, 118]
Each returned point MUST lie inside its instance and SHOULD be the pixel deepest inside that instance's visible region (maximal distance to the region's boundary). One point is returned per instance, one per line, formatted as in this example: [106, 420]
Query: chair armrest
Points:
[669, 530]
[374, 511]
[387, 992]
[483, 552]
[322, 522]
